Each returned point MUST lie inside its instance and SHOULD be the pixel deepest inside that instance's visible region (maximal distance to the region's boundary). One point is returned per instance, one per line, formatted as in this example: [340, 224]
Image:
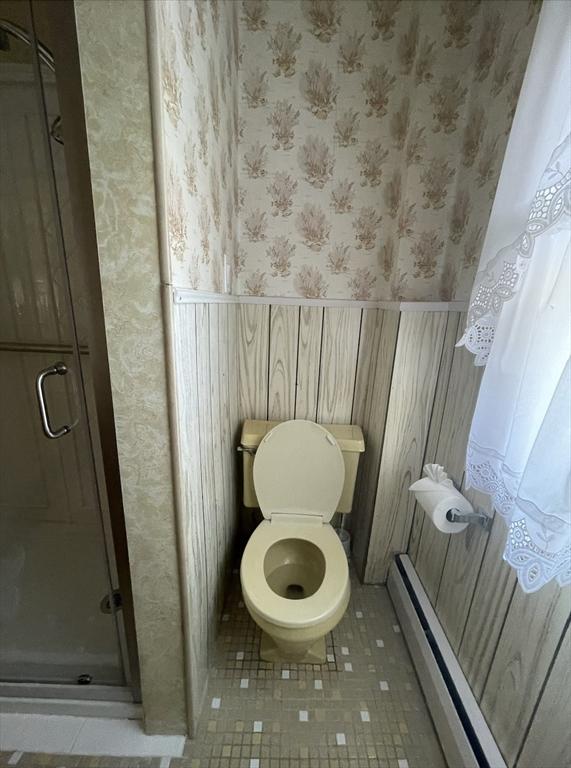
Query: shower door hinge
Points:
[112, 602]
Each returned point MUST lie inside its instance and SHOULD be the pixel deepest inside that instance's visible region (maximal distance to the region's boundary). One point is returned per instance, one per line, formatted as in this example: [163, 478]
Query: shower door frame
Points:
[101, 424]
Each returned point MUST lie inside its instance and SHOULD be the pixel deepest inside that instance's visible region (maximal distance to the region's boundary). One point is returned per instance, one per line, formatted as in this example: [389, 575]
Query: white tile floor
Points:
[62, 734]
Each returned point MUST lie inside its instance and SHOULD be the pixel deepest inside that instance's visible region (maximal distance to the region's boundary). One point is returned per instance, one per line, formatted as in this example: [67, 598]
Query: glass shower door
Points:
[57, 619]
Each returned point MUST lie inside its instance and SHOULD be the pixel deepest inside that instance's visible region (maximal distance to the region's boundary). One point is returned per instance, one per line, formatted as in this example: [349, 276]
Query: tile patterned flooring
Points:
[362, 709]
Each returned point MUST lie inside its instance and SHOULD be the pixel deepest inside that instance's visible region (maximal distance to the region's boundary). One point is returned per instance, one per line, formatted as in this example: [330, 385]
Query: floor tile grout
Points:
[362, 709]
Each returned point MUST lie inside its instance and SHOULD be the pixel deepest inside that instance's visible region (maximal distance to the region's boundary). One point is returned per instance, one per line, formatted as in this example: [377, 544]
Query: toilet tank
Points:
[348, 436]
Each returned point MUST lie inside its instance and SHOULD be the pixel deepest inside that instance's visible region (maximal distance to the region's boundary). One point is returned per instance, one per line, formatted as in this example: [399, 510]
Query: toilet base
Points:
[270, 651]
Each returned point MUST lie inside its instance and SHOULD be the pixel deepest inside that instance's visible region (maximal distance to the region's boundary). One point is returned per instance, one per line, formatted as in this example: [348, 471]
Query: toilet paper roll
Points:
[437, 499]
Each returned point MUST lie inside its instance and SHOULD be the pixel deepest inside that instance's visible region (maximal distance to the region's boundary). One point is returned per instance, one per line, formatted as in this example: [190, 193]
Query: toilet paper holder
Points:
[472, 518]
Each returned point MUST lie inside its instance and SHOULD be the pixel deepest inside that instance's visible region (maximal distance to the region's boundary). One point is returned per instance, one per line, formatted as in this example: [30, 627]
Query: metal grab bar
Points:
[57, 369]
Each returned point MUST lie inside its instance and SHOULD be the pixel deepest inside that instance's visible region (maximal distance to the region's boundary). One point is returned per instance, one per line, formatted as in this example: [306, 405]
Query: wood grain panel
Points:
[369, 343]
[253, 360]
[548, 742]
[488, 608]
[206, 364]
[461, 397]
[338, 365]
[187, 409]
[308, 361]
[413, 394]
[415, 372]
[460, 400]
[371, 327]
[284, 324]
[217, 355]
[225, 429]
[374, 418]
[435, 422]
[230, 423]
[210, 516]
[527, 645]
[460, 574]
[234, 393]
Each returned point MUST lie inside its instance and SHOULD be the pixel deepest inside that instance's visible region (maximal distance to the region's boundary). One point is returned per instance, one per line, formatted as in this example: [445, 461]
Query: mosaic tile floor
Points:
[363, 709]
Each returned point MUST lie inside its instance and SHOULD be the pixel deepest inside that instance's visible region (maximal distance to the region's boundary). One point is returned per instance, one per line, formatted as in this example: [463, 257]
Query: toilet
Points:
[294, 572]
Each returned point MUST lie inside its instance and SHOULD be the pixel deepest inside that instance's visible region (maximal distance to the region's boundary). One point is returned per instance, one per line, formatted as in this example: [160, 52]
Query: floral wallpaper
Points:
[371, 135]
[345, 149]
[197, 62]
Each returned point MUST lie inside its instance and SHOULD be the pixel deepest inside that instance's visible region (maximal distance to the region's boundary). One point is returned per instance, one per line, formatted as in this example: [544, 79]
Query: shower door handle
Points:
[57, 369]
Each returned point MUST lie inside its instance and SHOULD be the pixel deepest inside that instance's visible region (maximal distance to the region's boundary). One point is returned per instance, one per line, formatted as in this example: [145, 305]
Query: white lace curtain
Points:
[519, 450]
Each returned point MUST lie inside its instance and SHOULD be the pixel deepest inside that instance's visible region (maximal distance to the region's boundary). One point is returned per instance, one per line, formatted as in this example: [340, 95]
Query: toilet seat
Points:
[299, 470]
[282, 611]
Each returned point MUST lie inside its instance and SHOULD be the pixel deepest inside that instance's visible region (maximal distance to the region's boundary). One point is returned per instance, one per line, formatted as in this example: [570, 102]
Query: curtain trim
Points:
[533, 564]
[502, 277]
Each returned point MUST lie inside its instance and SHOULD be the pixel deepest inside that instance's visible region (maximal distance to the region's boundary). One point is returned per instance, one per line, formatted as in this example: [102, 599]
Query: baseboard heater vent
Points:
[466, 739]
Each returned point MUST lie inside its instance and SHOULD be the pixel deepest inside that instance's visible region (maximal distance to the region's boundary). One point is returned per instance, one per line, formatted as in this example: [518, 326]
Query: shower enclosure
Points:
[62, 627]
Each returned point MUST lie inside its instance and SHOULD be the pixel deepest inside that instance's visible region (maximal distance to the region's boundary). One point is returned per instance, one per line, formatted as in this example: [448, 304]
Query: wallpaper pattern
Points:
[347, 149]
[198, 58]
[371, 138]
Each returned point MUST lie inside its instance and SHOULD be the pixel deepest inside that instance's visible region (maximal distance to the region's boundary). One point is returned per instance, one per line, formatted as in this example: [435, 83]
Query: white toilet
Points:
[294, 573]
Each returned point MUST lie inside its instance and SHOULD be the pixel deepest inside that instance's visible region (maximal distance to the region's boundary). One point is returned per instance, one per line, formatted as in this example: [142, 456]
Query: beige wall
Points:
[113, 52]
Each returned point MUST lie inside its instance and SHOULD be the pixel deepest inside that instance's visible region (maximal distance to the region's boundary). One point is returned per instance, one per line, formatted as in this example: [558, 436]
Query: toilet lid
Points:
[299, 470]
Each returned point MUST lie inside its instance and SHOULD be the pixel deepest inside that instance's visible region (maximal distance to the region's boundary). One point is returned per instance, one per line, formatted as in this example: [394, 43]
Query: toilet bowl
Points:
[294, 573]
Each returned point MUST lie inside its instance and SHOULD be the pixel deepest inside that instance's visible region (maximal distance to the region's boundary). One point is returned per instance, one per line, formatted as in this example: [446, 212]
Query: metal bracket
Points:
[111, 603]
[244, 449]
[472, 518]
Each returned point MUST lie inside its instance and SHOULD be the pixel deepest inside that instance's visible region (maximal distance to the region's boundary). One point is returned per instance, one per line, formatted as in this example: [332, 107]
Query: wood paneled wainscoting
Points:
[513, 648]
[331, 364]
[387, 370]
[375, 367]
[205, 427]
[298, 362]
[398, 374]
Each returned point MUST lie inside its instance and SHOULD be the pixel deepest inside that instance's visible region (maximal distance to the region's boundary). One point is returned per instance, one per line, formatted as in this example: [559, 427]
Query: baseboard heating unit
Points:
[466, 739]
